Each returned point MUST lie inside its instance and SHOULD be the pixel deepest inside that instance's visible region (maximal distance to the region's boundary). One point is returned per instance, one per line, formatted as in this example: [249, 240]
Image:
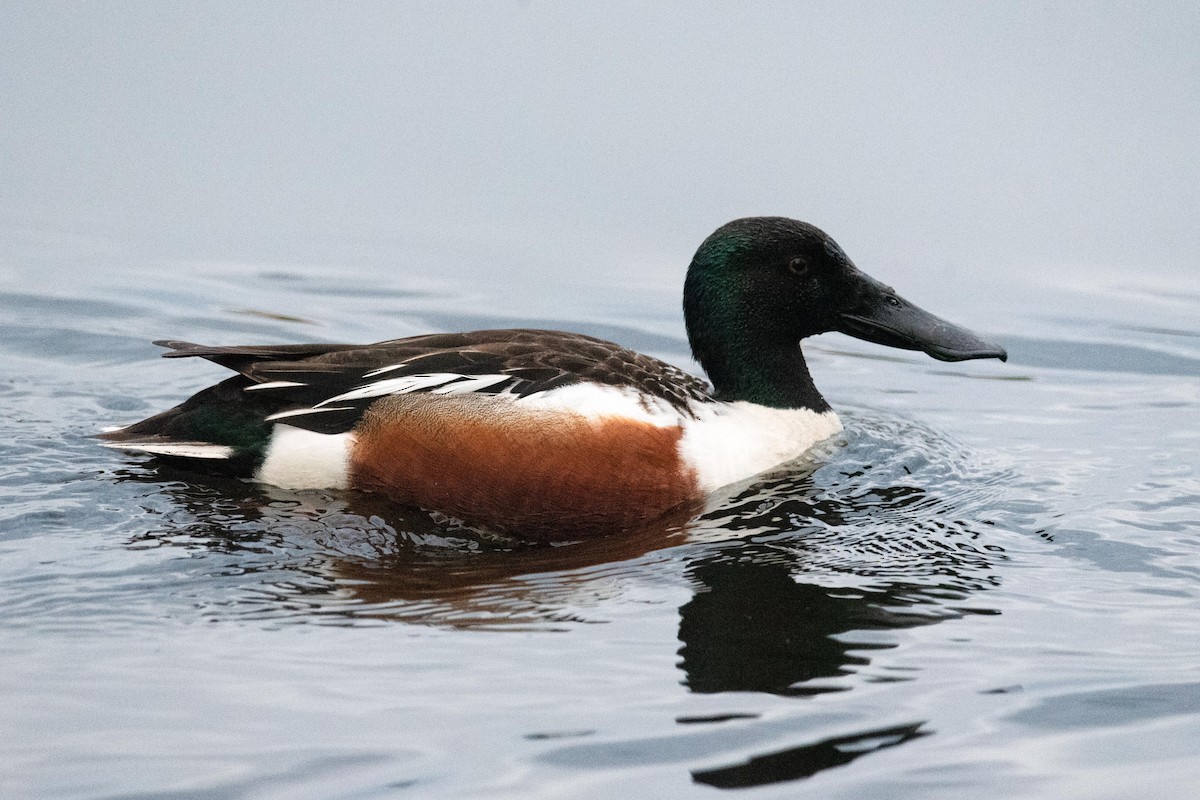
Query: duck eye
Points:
[798, 265]
[893, 301]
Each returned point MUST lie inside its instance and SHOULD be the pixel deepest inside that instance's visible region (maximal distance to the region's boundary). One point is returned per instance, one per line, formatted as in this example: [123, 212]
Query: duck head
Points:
[757, 286]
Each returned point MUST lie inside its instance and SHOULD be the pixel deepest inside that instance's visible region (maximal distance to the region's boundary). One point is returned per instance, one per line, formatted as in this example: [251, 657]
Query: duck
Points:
[546, 435]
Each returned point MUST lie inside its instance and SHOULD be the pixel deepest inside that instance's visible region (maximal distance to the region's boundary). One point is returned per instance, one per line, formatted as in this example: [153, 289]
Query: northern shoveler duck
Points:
[548, 435]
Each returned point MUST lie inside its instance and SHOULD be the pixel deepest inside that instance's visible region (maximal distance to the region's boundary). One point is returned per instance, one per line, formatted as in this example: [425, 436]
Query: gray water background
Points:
[988, 587]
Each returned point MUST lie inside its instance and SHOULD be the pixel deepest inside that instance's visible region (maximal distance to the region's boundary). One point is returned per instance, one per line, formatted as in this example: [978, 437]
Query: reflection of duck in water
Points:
[549, 435]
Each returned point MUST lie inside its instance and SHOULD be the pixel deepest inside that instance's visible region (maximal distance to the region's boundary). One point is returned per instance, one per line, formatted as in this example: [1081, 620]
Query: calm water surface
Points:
[989, 586]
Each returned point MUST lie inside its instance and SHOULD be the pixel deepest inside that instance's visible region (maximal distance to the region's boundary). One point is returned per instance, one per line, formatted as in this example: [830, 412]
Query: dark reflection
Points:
[806, 761]
[890, 533]
[779, 613]
[711, 719]
[753, 627]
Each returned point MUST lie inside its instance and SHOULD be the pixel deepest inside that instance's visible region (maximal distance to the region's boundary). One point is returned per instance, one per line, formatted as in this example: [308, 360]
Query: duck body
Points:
[550, 435]
[521, 431]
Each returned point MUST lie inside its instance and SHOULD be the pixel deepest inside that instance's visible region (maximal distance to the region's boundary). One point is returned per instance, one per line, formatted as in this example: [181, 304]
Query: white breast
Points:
[729, 442]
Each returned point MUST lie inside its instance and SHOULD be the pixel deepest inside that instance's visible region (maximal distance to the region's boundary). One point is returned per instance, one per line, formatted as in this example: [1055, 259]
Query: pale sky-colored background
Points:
[1013, 138]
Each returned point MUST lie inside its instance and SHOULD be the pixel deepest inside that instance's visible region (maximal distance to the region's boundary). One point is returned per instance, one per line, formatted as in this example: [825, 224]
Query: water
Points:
[987, 587]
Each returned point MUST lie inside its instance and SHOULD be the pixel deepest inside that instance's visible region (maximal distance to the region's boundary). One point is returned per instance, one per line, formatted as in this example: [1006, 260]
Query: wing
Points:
[326, 388]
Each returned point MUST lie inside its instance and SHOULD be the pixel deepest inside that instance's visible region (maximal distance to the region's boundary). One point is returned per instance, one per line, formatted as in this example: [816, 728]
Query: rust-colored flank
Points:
[525, 472]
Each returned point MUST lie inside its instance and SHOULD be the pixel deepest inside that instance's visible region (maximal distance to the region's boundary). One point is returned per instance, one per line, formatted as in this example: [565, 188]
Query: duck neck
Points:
[775, 376]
